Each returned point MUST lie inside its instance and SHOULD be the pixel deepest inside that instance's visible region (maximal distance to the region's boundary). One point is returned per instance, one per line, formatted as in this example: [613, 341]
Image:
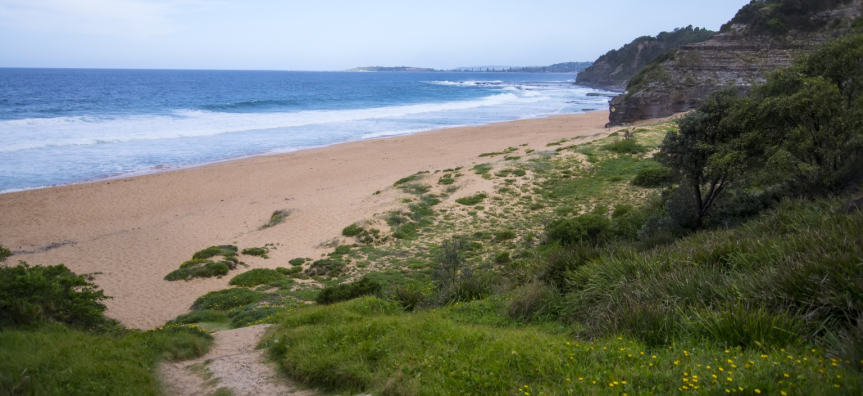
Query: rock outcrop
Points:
[747, 49]
[613, 69]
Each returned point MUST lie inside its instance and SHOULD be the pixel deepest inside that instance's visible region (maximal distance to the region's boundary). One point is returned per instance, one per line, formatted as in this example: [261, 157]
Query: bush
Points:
[653, 177]
[502, 257]
[347, 291]
[409, 297]
[352, 230]
[342, 249]
[325, 267]
[469, 286]
[589, 227]
[32, 295]
[276, 218]
[223, 300]
[289, 271]
[199, 268]
[505, 235]
[533, 301]
[257, 276]
[626, 146]
[256, 251]
[212, 251]
[297, 261]
[472, 200]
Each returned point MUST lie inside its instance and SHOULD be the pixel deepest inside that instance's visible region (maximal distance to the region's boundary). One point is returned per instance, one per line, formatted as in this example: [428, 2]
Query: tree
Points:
[804, 124]
[699, 152]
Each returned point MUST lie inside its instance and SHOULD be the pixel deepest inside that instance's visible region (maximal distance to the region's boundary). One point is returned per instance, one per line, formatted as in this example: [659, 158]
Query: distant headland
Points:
[566, 67]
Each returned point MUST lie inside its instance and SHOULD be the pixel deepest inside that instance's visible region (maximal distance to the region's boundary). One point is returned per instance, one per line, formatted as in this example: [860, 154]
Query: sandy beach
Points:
[131, 232]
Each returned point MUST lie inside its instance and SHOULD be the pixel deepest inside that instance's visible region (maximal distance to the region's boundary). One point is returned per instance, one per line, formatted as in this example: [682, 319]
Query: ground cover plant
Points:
[257, 276]
[200, 266]
[277, 217]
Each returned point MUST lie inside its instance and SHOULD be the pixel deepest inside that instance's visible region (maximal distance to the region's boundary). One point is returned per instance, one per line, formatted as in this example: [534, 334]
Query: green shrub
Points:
[257, 276]
[621, 210]
[256, 251]
[199, 268]
[446, 180]
[297, 261]
[482, 169]
[533, 301]
[408, 179]
[416, 188]
[653, 177]
[212, 251]
[325, 267]
[289, 271]
[347, 291]
[472, 200]
[343, 249]
[202, 316]
[276, 218]
[589, 227]
[4, 253]
[352, 230]
[470, 286]
[502, 257]
[626, 146]
[505, 235]
[223, 300]
[409, 297]
[32, 295]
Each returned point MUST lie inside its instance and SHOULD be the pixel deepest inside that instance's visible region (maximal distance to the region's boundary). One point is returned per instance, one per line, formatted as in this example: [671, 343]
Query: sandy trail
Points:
[232, 363]
[133, 231]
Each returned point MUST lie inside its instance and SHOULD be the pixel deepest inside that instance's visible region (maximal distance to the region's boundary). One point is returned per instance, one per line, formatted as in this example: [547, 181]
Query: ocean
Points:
[62, 126]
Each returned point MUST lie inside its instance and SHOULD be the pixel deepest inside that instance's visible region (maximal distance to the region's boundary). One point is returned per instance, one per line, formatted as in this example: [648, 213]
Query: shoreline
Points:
[129, 232]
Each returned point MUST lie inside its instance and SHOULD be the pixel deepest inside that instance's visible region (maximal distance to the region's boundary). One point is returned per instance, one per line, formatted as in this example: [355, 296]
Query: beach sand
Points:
[133, 231]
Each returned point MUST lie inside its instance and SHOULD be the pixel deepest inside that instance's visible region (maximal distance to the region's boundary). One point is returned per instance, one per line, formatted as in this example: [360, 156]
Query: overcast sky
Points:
[332, 35]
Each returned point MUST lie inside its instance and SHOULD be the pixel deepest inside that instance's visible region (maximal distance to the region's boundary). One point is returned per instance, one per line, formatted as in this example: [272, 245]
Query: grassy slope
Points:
[691, 288]
[56, 360]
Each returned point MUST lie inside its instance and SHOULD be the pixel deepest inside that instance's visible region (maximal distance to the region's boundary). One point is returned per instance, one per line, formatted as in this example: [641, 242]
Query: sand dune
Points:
[136, 230]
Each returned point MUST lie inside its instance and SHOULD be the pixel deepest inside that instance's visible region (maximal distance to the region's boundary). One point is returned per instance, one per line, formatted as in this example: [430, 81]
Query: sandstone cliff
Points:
[762, 37]
[612, 70]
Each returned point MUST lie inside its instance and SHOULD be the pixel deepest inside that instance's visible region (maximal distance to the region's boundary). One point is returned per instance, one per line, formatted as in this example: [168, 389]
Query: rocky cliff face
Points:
[738, 57]
[613, 69]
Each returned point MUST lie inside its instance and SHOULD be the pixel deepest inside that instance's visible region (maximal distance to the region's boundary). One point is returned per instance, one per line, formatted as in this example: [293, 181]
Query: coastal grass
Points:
[53, 359]
[277, 217]
[370, 345]
[257, 276]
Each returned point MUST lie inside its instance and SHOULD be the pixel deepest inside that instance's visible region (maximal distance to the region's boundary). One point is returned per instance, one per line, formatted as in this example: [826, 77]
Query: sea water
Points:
[61, 126]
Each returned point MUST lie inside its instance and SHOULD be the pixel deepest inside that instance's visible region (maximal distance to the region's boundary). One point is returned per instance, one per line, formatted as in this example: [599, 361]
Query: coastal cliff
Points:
[763, 36]
[612, 70]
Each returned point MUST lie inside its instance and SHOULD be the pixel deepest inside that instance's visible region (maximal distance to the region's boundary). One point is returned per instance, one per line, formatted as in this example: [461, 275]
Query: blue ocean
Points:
[61, 126]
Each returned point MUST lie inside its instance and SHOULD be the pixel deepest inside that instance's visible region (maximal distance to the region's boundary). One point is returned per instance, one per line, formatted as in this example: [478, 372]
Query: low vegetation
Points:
[277, 217]
[257, 276]
[55, 340]
[200, 266]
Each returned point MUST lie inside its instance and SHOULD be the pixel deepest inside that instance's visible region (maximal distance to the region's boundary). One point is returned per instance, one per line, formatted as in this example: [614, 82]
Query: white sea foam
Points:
[35, 133]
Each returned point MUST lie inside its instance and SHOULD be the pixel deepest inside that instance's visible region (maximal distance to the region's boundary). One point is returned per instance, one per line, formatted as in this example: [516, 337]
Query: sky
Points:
[333, 35]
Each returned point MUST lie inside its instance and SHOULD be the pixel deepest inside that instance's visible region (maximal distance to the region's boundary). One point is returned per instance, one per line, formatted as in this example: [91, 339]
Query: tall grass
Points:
[56, 360]
[372, 346]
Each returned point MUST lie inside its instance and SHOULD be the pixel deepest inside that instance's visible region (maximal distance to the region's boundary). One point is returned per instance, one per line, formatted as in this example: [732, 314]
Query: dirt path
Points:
[232, 363]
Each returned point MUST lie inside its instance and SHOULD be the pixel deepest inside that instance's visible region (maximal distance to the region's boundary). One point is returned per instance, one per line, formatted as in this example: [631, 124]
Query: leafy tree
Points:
[698, 153]
[804, 124]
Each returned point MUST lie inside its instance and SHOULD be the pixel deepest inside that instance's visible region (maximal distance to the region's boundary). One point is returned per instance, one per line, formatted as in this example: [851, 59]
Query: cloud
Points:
[118, 18]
